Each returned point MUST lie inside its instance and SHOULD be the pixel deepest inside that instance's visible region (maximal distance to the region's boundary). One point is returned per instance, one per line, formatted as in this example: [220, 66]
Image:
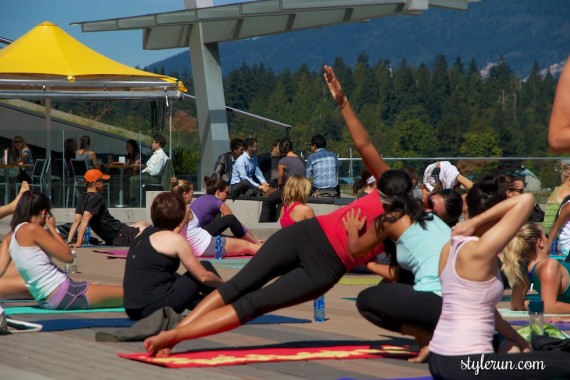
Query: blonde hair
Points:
[519, 252]
[564, 172]
[297, 189]
[180, 186]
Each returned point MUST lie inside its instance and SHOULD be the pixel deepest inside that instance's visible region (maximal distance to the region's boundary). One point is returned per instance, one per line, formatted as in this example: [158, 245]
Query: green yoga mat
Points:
[39, 310]
[351, 280]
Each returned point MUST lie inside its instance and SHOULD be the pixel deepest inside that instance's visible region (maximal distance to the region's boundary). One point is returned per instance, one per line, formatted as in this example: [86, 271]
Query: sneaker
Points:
[3, 323]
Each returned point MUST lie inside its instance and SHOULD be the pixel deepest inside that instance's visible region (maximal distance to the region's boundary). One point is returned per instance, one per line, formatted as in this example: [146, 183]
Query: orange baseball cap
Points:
[93, 175]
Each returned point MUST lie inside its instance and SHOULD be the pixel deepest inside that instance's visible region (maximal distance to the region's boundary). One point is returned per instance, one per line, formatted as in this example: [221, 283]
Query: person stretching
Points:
[32, 243]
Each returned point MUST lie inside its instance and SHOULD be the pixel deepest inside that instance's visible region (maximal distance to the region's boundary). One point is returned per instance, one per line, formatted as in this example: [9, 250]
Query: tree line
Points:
[442, 110]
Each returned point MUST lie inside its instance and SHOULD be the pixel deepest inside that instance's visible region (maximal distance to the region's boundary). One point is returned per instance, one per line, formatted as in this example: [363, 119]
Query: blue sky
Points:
[17, 17]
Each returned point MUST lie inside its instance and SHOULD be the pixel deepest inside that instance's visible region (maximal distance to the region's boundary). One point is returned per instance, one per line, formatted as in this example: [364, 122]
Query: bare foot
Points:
[159, 345]
[422, 356]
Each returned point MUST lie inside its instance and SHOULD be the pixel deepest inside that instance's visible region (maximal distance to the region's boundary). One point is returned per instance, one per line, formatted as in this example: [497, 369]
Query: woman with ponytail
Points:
[203, 244]
[526, 263]
[214, 215]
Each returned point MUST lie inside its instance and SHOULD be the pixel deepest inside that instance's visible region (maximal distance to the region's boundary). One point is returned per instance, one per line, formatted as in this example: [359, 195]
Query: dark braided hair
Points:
[396, 187]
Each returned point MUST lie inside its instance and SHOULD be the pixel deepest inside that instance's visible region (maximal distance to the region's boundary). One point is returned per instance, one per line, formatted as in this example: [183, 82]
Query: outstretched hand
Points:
[352, 220]
[334, 86]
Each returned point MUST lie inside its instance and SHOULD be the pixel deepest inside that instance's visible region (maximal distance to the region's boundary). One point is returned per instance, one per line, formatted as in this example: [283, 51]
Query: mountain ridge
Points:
[522, 32]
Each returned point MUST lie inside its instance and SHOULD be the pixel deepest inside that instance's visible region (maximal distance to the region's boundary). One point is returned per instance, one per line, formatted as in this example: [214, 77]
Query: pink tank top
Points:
[467, 322]
[286, 218]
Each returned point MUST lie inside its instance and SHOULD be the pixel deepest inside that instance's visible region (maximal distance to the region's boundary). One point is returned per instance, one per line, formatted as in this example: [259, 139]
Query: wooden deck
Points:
[74, 354]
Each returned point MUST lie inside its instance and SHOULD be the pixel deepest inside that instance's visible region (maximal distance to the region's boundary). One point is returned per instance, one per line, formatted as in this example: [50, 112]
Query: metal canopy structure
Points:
[202, 29]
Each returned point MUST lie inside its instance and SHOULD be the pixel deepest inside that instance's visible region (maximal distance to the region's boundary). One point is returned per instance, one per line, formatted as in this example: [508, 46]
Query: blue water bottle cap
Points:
[536, 306]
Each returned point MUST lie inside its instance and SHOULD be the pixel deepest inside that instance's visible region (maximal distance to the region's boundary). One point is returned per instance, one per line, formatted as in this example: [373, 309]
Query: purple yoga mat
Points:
[563, 326]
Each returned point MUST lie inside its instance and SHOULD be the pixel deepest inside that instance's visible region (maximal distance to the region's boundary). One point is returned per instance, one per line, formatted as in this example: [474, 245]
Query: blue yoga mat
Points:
[39, 310]
[83, 323]
[275, 319]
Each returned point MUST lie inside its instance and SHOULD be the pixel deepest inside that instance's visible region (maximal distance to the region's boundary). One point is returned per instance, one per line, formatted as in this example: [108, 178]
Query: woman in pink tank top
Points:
[461, 347]
[297, 189]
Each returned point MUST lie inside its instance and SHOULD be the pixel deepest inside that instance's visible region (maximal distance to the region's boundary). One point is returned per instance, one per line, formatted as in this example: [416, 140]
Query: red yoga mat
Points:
[213, 358]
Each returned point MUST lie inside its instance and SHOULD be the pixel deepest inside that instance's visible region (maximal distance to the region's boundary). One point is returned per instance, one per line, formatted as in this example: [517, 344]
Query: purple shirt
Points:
[206, 208]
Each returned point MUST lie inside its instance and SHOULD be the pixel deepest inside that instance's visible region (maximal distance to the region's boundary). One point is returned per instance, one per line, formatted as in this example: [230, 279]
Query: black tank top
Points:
[149, 275]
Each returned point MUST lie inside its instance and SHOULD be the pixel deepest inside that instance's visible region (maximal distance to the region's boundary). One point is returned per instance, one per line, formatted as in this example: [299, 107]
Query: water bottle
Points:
[87, 236]
[72, 267]
[219, 247]
[536, 314]
[319, 309]
[554, 247]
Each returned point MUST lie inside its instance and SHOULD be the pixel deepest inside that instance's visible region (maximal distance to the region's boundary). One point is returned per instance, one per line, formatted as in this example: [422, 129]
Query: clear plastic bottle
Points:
[219, 247]
[72, 267]
[554, 247]
[87, 236]
[536, 314]
[319, 309]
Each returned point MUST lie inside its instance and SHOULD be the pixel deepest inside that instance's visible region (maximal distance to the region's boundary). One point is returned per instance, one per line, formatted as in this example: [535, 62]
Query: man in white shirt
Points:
[246, 172]
[153, 170]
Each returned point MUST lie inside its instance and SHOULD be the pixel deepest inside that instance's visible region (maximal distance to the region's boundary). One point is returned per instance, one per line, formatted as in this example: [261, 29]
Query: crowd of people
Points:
[444, 251]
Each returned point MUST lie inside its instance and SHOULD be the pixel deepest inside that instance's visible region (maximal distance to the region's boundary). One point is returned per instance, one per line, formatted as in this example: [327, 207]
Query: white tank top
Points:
[40, 274]
[198, 238]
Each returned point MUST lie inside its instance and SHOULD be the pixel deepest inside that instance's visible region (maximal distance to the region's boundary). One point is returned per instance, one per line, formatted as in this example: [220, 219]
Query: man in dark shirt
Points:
[224, 163]
[91, 211]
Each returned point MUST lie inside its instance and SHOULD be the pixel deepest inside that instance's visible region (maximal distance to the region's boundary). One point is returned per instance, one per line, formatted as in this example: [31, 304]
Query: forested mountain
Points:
[416, 83]
[520, 31]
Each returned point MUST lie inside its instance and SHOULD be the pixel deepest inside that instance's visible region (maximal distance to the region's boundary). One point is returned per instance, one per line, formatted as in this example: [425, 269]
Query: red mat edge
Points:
[179, 360]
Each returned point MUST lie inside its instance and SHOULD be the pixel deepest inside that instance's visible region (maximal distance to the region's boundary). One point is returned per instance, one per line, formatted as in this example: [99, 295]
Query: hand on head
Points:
[25, 187]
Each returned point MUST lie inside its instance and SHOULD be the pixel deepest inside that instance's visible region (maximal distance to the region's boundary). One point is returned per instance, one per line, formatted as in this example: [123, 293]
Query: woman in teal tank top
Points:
[526, 262]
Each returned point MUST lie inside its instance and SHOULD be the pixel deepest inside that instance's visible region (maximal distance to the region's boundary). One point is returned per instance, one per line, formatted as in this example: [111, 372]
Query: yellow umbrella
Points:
[48, 63]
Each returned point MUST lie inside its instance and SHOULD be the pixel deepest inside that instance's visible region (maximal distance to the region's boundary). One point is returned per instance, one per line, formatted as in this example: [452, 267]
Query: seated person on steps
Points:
[91, 211]
[225, 161]
[245, 169]
[153, 170]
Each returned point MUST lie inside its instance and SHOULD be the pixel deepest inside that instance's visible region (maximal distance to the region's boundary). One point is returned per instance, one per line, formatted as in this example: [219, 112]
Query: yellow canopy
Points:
[48, 52]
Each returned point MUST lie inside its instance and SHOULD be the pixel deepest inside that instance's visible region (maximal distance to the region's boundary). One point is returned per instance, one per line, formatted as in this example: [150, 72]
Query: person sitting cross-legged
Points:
[91, 211]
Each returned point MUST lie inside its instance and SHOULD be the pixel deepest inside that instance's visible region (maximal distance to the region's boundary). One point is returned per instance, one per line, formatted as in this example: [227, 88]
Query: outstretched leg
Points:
[212, 322]
[104, 296]
[238, 247]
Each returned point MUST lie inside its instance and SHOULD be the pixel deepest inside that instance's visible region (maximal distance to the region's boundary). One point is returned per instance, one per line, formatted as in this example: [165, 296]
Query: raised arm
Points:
[508, 217]
[559, 128]
[370, 155]
[11, 207]
[5, 254]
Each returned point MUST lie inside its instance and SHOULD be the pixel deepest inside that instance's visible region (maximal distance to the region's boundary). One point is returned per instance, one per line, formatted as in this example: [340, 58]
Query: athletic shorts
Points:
[70, 295]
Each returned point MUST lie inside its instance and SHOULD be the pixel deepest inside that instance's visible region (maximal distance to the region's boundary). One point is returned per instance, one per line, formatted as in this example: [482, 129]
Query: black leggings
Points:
[390, 305]
[219, 225]
[556, 366]
[303, 259]
[270, 206]
[186, 293]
